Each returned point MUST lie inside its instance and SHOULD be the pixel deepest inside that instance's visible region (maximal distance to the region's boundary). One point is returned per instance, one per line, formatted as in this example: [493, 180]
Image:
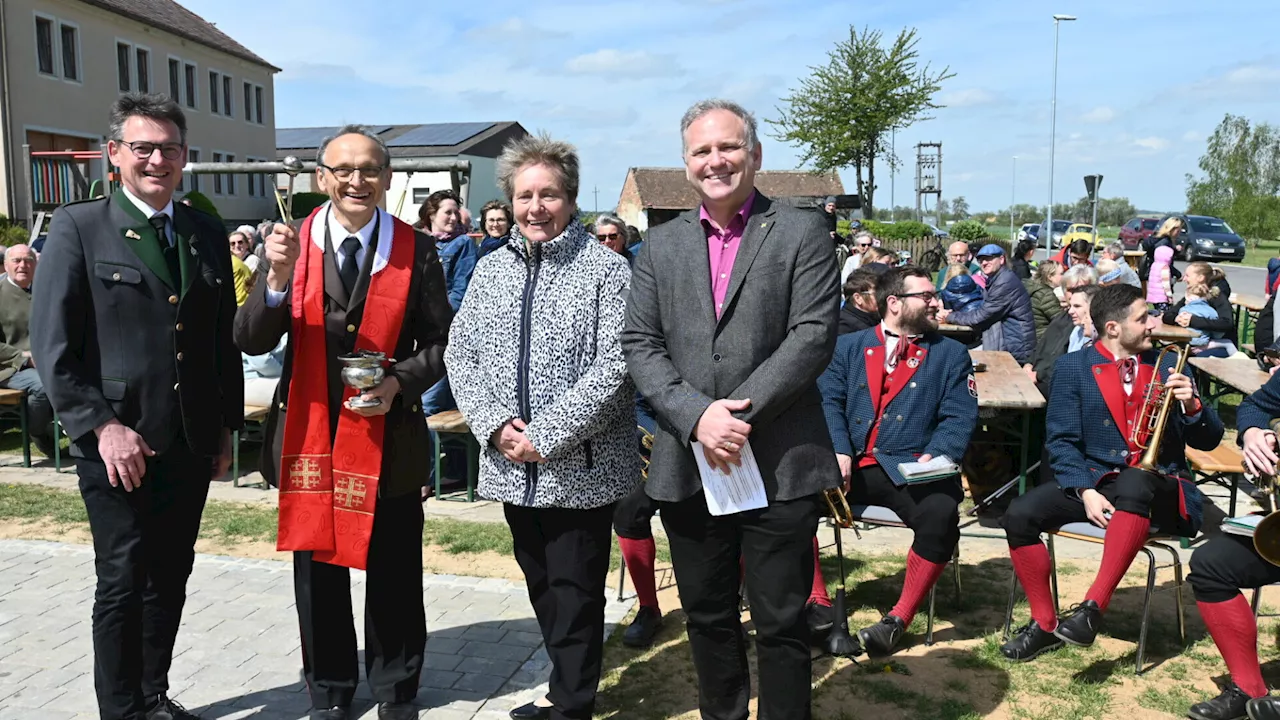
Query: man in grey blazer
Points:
[730, 321]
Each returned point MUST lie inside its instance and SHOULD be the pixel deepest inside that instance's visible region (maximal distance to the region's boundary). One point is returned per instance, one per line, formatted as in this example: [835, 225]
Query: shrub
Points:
[968, 230]
[305, 202]
[202, 203]
[905, 230]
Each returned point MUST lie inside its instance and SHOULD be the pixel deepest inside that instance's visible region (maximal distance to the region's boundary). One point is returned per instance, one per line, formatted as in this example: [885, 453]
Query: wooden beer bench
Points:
[17, 399]
[451, 422]
[1223, 465]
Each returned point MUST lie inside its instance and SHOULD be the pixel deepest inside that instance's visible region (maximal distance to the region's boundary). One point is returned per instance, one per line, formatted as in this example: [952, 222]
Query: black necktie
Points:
[348, 271]
[169, 249]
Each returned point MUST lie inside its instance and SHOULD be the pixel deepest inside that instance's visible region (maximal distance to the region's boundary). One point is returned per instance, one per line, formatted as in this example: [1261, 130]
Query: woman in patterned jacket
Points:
[538, 372]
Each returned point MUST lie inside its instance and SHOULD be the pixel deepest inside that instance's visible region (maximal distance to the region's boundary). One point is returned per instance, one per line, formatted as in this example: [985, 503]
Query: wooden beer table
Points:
[1004, 386]
[1247, 306]
[1172, 333]
[1225, 375]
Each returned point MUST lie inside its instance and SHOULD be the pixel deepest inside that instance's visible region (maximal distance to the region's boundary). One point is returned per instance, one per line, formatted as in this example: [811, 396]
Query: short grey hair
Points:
[1079, 275]
[153, 106]
[611, 219]
[1115, 248]
[557, 155]
[354, 130]
[702, 107]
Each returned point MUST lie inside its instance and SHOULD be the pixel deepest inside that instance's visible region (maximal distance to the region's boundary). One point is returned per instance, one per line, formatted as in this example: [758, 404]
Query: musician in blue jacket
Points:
[1226, 563]
[1095, 404]
[900, 392]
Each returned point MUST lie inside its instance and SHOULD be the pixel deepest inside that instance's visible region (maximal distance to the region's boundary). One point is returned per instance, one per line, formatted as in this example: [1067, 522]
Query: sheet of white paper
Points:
[740, 489]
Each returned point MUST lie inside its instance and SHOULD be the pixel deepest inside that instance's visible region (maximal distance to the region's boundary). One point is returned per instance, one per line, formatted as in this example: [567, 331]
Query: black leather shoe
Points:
[1227, 706]
[883, 637]
[820, 618]
[333, 713]
[644, 628]
[397, 711]
[1263, 708]
[530, 712]
[1029, 642]
[163, 708]
[1080, 626]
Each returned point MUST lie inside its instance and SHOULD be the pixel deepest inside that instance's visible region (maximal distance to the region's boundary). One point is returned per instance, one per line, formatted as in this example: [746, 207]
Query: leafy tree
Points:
[901, 230]
[842, 114]
[968, 230]
[1241, 167]
[201, 202]
[960, 207]
[305, 202]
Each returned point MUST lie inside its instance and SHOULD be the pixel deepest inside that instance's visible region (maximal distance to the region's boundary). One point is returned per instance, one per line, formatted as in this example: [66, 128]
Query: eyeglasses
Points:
[602, 237]
[864, 245]
[928, 295]
[143, 150]
[345, 173]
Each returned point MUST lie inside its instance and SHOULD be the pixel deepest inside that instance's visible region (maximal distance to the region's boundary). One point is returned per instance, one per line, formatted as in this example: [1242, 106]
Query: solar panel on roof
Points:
[290, 138]
[440, 134]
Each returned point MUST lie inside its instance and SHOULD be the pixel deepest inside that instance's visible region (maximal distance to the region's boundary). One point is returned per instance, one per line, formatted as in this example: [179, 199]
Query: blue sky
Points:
[1141, 83]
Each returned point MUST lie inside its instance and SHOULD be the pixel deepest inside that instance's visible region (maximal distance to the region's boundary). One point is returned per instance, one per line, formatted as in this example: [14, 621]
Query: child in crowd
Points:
[959, 291]
[1206, 344]
[1159, 282]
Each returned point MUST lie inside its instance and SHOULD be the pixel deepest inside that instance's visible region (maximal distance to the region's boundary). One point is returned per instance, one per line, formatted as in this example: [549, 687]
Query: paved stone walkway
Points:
[237, 654]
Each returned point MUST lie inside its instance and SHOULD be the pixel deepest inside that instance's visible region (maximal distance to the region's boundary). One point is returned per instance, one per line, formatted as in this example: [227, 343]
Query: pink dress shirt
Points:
[722, 248]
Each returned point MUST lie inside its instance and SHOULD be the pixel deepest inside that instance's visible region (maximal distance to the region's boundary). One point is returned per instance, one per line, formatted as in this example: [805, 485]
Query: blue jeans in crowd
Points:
[39, 410]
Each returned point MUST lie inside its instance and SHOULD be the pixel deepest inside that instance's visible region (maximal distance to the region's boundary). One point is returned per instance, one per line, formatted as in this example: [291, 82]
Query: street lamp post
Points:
[1013, 198]
[1047, 231]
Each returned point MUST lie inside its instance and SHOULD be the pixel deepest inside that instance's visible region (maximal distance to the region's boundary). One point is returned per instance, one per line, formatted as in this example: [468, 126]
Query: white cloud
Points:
[1191, 136]
[617, 63]
[1100, 114]
[1154, 144]
[970, 97]
[1253, 75]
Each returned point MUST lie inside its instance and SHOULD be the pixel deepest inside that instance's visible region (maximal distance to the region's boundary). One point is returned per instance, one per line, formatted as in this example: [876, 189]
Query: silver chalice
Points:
[363, 370]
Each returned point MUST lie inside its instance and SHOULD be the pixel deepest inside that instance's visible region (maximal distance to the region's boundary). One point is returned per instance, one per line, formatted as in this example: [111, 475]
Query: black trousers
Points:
[395, 625]
[1226, 563]
[1134, 490]
[633, 515]
[776, 545]
[564, 555]
[143, 545]
[931, 510]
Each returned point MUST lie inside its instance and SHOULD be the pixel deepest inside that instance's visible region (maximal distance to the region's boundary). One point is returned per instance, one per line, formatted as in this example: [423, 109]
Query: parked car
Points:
[939, 232]
[1059, 229]
[1028, 231]
[1204, 236]
[1136, 230]
[1077, 231]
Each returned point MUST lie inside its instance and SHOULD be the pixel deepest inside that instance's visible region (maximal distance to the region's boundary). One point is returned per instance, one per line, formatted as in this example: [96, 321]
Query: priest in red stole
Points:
[352, 278]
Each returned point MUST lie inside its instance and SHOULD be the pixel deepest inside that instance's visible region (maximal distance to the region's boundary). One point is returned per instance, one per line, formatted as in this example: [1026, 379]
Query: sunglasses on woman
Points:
[604, 237]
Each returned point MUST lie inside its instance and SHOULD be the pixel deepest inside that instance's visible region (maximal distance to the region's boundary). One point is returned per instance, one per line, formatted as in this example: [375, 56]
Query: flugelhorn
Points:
[1148, 431]
[840, 643]
[1266, 536]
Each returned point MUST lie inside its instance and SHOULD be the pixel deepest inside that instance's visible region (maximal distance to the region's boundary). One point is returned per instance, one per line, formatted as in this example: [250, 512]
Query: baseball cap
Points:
[991, 250]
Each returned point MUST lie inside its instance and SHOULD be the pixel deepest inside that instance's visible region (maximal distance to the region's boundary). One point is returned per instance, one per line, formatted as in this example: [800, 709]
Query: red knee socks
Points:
[921, 576]
[1032, 564]
[639, 556]
[819, 592]
[1126, 534]
[1235, 631]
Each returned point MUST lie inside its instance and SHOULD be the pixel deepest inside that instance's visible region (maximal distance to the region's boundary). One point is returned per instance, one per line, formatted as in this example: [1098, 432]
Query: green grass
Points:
[1174, 701]
[1257, 256]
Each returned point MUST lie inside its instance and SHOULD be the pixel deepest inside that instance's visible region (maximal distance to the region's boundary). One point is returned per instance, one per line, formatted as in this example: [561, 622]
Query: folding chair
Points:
[1088, 532]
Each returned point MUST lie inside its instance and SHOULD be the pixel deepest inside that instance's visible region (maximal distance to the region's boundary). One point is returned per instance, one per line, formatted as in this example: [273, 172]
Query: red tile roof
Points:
[171, 17]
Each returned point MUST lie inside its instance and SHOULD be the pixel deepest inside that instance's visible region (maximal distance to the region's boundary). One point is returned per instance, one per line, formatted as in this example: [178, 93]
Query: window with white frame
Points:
[143, 65]
[193, 156]
[44, 45]
[226, 95]
[217, 177]
[175, 79]
[192, 85]
[248, 103]
[257, 104]
[231, 177]
[220, 97]
[69, 38]
[124, 63]
[214, 85]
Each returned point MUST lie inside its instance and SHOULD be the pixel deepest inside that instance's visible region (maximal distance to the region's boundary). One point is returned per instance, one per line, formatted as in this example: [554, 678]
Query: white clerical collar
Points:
[146, 209]
[337, 233]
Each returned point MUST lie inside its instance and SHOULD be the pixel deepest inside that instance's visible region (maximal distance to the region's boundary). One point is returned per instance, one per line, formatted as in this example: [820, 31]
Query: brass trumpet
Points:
[646, 440]
[838, 507]
[1148, 431]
